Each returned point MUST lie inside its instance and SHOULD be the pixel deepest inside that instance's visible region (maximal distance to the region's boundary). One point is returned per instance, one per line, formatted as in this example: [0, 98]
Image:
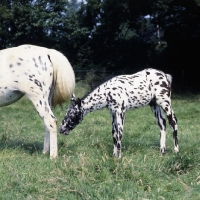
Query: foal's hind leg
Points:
[166, 106]
[162, 124]
[173, 124]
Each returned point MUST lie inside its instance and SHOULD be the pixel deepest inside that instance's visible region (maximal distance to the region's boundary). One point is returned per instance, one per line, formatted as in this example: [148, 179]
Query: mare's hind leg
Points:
[162, 125]
[166, 106]
[50, 122]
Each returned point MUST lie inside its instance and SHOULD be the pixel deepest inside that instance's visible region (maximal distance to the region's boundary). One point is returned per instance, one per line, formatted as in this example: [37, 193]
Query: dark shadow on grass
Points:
[28, 147]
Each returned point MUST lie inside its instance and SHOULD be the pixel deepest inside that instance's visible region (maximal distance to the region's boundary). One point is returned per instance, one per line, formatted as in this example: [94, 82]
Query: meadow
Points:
[86, 168]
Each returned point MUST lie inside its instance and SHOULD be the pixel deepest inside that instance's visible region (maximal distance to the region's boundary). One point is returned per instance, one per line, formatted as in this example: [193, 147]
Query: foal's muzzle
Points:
[64, 130]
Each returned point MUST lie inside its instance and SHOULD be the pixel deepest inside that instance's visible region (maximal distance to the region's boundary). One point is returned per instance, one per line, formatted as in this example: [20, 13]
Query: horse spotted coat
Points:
[148, 87]
[45, 76]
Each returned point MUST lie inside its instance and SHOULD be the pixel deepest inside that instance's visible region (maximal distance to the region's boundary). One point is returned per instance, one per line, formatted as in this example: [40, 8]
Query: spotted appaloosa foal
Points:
[121, 93]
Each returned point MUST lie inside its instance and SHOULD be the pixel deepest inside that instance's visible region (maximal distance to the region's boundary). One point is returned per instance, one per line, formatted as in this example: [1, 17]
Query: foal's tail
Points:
[169, 78]
[63, 77]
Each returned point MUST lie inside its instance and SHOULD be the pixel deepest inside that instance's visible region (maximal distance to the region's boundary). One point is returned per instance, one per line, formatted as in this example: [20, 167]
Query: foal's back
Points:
[136, 90]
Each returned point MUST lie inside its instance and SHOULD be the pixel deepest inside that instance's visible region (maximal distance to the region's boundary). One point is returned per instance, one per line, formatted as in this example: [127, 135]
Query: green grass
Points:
[86, 169]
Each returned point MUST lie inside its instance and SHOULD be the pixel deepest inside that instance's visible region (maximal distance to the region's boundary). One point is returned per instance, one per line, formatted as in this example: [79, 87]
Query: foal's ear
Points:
[73, 99]
[78, 102]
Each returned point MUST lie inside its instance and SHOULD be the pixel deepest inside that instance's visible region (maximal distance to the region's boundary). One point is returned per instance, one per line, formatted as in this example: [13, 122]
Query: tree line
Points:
[110, 34]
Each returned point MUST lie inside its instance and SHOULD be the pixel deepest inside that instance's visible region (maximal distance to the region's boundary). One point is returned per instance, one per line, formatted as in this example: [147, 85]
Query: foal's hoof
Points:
[117, 155]
[176, 149]
[162, 150]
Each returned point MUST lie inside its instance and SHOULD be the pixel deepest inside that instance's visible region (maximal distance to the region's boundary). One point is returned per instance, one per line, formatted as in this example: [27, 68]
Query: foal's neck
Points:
[94, 101]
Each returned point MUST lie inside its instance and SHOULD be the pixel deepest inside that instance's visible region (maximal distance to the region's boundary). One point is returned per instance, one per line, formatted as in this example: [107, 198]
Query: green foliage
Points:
[116, 41]
[182, 33]
[113, 35]
[52, 24]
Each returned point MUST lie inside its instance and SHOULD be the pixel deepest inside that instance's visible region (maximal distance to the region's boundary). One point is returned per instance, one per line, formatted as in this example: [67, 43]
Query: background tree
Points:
[52, 24]
[126, 35]
[118, 30]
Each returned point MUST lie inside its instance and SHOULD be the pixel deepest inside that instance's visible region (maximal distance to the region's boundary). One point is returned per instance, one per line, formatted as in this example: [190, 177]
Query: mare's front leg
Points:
[161, 121]
[117, 132]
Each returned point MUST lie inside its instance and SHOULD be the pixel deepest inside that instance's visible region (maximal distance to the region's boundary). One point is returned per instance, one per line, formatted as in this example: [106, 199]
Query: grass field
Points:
[86, 169]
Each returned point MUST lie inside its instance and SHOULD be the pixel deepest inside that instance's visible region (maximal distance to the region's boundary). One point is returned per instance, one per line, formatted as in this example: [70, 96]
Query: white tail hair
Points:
[63, 77]
[169, 78]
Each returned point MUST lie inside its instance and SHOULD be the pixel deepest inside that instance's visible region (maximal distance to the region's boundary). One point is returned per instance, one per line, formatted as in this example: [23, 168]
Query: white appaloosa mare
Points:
[45, 76]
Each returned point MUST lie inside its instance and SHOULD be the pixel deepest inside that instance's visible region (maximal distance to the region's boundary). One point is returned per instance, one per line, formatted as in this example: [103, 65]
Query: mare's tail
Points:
[63, 77]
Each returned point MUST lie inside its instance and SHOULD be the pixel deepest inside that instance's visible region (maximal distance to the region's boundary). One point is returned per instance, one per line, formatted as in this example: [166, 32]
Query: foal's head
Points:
[74, 115]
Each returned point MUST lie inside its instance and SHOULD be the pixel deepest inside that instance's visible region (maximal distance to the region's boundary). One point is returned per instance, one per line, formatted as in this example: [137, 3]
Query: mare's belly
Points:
[9, 96]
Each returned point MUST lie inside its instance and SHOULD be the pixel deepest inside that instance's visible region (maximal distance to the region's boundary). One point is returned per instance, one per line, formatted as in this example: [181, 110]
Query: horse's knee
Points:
[172, 121]
[50, 122]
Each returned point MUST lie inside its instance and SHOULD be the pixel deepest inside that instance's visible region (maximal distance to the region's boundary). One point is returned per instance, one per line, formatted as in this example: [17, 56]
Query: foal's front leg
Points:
[117, 133]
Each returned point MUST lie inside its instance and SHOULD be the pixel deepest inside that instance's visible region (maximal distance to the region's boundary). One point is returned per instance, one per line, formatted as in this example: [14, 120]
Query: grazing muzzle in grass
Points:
[74, 115]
